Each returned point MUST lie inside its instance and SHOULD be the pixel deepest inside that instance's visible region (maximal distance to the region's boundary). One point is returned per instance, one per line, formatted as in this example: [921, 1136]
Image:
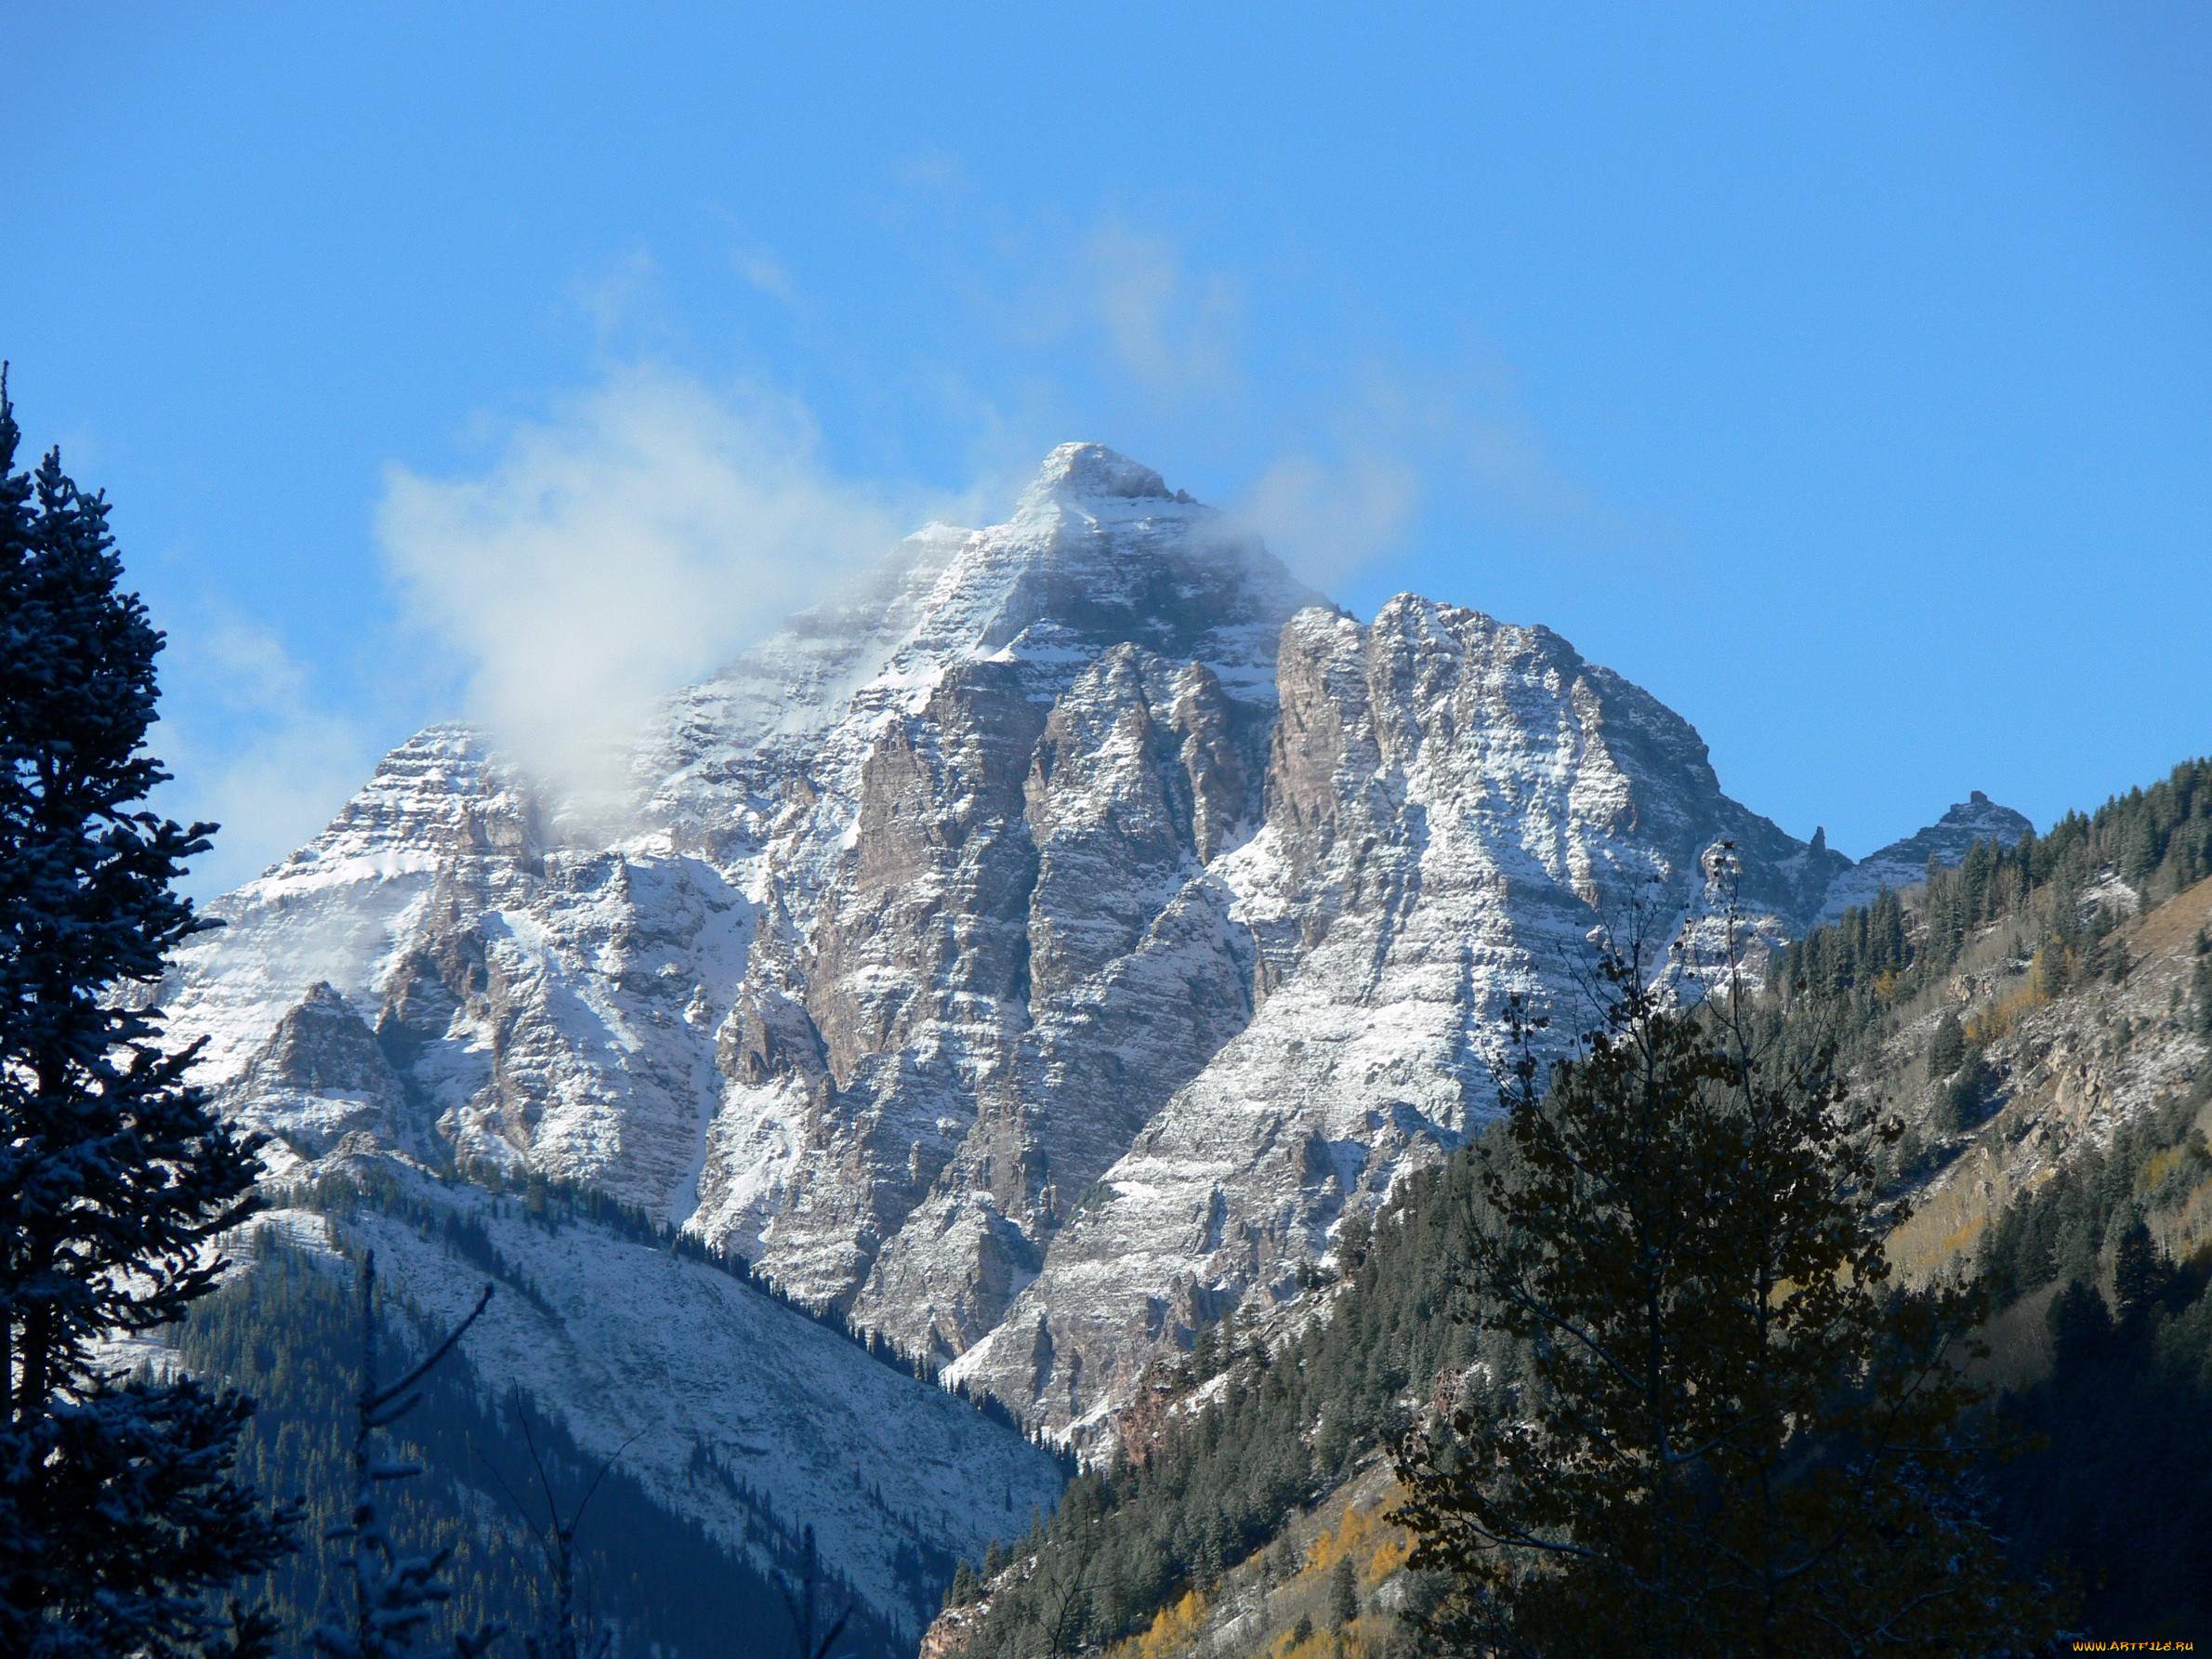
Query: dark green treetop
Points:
[1732, 1436]
[117, 1511]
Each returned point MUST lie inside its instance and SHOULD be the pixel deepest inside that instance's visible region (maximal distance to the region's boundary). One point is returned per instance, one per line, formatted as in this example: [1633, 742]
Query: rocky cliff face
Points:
[1454, 808]
[1032, 951]
[987, 949]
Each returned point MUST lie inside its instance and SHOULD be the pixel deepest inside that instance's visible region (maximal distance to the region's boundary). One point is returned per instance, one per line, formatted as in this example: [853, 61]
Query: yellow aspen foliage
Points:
[1369, 1536]
[1322, 1644]
[1992, 1023]
[1173, 1627]
[2162, 1164]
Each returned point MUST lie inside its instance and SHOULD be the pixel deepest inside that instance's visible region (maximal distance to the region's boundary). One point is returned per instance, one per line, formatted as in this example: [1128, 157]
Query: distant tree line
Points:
[2156, 840]
[2062, 1229]
[1130, 1537]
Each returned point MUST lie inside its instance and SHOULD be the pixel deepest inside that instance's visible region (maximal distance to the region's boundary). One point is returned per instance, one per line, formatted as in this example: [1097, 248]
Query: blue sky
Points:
[1843, 374]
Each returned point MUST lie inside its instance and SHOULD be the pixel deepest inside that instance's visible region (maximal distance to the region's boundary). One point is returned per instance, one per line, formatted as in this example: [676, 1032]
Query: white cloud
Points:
[1326, 520]
[621, 291]
[935, 170]
[766, 272]
[250, 749]
[1400, 439]
[645, 535]
[1174, 330]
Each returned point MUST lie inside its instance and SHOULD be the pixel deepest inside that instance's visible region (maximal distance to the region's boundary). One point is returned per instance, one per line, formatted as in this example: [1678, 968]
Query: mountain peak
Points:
[1946, 841]
[1979, 810]
[1091, 471]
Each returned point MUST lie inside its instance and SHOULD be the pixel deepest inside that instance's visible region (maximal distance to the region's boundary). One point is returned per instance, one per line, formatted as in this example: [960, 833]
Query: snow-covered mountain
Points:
[1453, 806]
[1904, 863]
[1032, 951]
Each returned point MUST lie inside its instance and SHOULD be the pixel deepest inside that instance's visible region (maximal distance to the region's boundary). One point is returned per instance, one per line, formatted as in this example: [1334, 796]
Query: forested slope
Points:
[2039, 1011]
[721, 1454]
[1219, 1452]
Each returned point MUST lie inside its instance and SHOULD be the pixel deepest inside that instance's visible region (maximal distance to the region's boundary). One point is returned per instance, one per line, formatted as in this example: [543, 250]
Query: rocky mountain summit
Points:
[1906, 862]
[1033, 951]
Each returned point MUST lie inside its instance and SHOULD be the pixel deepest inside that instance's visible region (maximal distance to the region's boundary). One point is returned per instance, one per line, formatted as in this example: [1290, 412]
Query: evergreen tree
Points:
[1344, 1594]
[2080, 1326]
[1732, 1437]
[118, 1514]
[1964, 1098]
[2140, 1273]
[2052, 968]
[1946, 1049]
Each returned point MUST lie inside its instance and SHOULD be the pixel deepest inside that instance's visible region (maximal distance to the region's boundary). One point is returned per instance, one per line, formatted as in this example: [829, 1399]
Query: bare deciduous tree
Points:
[394, 1594]
[801, 1605]
[565, 1632]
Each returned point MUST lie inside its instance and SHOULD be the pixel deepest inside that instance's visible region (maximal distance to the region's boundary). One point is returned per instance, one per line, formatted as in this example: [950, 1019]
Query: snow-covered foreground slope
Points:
[725, 1405]
[1031, 951]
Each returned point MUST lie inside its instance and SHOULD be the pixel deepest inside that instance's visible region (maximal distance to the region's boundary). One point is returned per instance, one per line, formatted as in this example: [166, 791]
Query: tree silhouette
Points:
[811, 1640]
[394, 1594]
[1734, 1438]
[565, 1632]
[118, 1513]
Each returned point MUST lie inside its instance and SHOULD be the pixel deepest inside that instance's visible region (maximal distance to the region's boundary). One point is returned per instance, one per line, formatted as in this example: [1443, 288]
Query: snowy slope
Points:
[692, 1377]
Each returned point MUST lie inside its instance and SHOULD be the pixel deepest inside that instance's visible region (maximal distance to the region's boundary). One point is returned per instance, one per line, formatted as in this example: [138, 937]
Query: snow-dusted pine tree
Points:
[119, 1519]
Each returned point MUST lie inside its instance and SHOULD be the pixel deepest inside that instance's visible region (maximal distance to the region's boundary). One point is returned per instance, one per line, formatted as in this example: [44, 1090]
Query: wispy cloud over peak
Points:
[1173, 329]
[647, 531]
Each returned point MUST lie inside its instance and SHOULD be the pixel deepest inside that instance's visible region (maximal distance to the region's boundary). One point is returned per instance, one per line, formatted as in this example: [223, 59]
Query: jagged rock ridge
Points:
[1029, 950]
[1904, 863]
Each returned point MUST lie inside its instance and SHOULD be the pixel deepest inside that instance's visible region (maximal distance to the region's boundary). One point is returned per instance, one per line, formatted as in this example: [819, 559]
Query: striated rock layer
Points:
[1453, 808]
[1032, 951]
